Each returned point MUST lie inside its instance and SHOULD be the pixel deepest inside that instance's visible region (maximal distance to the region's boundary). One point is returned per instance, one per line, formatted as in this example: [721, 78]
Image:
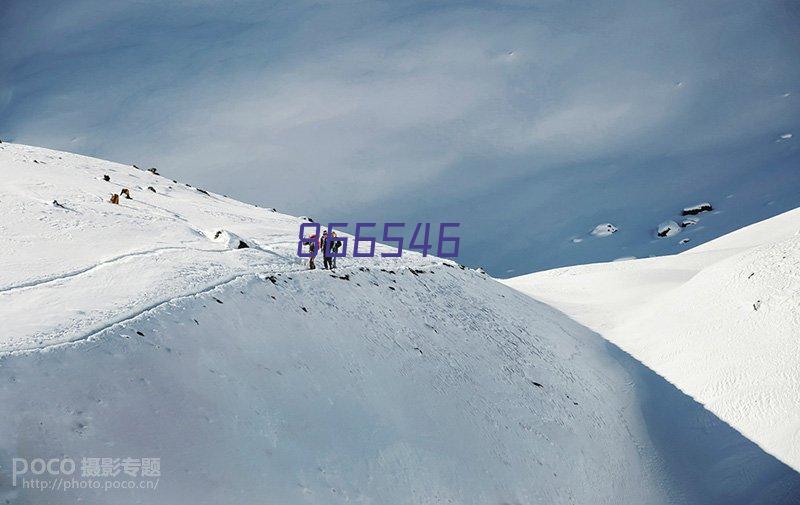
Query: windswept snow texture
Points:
[720, 321]
[135, 330]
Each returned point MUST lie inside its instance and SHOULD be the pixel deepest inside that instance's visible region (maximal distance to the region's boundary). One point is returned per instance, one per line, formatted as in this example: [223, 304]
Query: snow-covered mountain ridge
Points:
[135, 330]
[720, 321]
[144, 330]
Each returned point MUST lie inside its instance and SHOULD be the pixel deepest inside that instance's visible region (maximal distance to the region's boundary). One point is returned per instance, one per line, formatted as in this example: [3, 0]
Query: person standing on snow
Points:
[335, 246]
[312, 249]
[324, 245]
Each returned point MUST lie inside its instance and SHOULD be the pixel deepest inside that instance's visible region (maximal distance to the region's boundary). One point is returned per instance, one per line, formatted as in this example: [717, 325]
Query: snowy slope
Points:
[720, 321]
[138, 331]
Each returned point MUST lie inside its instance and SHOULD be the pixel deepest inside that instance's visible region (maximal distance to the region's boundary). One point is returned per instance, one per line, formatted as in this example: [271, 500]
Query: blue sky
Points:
[529, 122]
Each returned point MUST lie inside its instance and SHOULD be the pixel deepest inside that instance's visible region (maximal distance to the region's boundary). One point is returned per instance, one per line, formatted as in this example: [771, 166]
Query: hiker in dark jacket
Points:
[335, 246]
[324, 245]
[312, 249]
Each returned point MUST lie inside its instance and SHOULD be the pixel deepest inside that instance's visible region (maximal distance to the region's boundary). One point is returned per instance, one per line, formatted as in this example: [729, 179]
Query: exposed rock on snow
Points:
[689, 221]
[604, 230]
[231, 240]
[668, 229]
[697, 209]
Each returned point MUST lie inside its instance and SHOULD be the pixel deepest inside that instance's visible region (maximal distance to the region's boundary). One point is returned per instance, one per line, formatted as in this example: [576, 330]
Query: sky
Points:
[527, 122]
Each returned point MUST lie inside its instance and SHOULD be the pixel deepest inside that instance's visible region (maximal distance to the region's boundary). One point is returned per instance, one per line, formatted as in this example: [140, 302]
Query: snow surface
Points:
[142, 330]
[720, 321]
[137, 330]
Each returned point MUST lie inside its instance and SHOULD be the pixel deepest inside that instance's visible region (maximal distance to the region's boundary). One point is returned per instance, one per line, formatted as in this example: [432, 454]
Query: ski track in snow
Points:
[126, 317]
[108, 262]
[92, 288]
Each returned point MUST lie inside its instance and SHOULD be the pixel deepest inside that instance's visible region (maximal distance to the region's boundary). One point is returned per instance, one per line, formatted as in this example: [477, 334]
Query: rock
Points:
[114, 199]
[106, 178]
[151, 188]
[697, 209]
[202, 191]
[231, 240]
[668, 229]
[691, 221]
[126, 193]
[684, 241]
[153, 171]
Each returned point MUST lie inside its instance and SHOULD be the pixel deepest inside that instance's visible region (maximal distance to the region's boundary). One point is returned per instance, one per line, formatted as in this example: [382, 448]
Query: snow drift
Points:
[719, 321]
